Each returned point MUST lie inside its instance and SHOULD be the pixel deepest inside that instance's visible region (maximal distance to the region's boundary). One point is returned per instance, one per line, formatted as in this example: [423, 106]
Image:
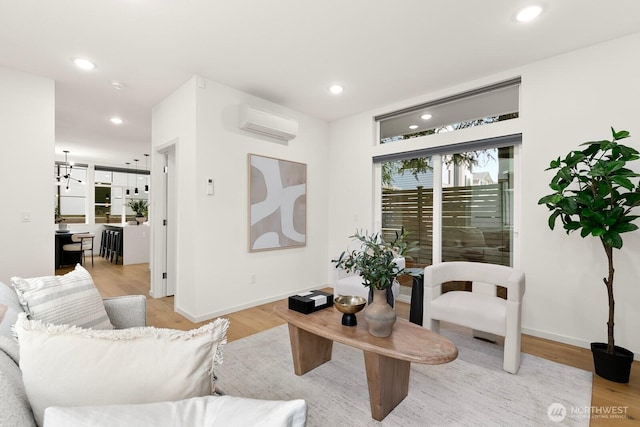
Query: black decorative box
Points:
[308, 302]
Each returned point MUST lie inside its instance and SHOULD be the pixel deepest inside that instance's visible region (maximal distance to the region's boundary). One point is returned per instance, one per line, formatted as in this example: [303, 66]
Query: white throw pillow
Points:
[64, 365]
[71, 299]
[210, 411]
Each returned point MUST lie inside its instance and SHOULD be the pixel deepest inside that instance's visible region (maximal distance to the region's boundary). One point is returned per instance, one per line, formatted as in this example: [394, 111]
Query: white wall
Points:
[174, 122]
[27, 135]
[214, 262]
[565, 100]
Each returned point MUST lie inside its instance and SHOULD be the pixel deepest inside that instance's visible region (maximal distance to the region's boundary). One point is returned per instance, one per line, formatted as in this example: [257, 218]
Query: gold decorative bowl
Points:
[349, 305]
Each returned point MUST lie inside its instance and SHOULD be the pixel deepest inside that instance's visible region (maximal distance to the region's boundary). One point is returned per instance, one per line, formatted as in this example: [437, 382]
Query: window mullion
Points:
[437, 209]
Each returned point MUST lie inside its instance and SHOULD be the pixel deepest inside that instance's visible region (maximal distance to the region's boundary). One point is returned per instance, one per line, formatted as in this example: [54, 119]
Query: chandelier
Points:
[67, 172]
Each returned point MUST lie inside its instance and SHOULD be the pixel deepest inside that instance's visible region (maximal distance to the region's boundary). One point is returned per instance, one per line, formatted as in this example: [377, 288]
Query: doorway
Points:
[164, 227]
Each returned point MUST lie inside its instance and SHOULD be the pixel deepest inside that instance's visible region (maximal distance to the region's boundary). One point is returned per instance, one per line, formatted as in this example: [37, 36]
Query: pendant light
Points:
[146, 186]
[128, 163]
[135, 190]
[67, 171]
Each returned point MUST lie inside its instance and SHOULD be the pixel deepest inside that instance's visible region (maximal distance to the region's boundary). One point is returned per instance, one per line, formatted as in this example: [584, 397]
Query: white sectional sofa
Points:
[124, 312]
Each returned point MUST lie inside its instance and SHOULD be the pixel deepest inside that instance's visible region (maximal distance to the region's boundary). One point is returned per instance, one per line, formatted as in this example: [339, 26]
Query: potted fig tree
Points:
[594, 191]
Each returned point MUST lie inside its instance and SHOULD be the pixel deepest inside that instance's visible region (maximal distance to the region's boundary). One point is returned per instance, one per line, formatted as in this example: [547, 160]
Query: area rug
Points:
[473, 390]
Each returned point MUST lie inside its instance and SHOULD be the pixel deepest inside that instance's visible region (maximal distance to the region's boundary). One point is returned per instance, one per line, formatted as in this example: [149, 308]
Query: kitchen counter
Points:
[136, 242]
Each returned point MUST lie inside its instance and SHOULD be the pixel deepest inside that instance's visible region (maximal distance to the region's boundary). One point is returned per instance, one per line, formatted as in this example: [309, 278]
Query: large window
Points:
[114, 189]
[407, 201]
[474, 203]
[456, 200]
[477, 206]
[70, 193]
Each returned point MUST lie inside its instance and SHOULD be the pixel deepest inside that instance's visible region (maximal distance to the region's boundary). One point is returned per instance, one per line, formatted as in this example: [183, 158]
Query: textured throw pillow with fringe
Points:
[65, 365]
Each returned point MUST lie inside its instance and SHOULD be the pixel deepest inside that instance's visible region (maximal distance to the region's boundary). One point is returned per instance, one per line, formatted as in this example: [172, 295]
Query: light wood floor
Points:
[118, 280]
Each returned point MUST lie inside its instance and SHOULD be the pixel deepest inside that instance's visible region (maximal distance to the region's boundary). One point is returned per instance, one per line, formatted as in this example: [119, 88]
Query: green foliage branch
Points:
[375, 260]
[419, 165]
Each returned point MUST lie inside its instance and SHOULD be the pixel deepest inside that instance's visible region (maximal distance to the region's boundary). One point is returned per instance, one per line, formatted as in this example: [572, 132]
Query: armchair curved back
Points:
[498, 275]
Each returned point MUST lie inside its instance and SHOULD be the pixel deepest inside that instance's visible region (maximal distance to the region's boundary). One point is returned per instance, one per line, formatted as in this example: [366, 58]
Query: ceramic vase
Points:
[380, 316]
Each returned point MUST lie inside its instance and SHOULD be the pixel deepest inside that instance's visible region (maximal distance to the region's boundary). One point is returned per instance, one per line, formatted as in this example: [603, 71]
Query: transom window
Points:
[479, 107]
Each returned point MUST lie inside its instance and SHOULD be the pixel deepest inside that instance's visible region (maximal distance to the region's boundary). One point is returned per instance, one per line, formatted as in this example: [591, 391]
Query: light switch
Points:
[210, 186]
[26, 216]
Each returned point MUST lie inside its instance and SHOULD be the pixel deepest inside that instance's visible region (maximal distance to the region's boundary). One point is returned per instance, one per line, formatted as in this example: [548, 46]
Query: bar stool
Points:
[107, 244]
[103, 243]
[115, 246]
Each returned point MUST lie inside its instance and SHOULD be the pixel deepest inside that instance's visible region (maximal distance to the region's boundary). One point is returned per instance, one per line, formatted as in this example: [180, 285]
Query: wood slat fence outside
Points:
[475, 221]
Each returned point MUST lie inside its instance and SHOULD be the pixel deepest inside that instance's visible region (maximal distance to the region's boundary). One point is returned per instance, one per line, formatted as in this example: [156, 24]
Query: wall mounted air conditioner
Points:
[265, 123]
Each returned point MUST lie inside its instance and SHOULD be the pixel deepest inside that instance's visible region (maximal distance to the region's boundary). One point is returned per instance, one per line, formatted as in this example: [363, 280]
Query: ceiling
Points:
[286, 51]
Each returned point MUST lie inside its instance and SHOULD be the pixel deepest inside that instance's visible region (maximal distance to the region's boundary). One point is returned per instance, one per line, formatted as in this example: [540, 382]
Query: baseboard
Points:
[249, 304]
[568, 340]
[555, 337]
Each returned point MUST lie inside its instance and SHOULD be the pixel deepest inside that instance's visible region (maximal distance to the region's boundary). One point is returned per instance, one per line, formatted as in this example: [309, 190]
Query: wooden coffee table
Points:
[387, 360]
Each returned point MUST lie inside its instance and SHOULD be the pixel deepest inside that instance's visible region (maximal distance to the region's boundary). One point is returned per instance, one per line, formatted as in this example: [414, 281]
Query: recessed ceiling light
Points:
[336, 89]
[118, 85]
[426, 116]
[84, 64]
[116, 120]
[413, 127]
[528, 13]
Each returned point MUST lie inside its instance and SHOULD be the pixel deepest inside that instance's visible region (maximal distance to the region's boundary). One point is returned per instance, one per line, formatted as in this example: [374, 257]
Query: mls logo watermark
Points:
[557, 412]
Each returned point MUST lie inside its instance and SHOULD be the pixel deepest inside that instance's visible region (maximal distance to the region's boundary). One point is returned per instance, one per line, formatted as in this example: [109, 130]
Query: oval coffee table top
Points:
[408, 341]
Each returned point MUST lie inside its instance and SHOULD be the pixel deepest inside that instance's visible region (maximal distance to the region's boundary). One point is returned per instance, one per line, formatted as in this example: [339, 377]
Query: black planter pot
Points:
[613, 367]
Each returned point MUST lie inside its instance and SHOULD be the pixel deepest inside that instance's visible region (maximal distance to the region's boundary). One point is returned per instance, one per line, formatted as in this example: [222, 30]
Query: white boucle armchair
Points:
[480, 310]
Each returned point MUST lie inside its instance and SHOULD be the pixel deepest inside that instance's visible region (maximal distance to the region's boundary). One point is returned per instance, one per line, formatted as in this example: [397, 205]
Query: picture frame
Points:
[277, 203]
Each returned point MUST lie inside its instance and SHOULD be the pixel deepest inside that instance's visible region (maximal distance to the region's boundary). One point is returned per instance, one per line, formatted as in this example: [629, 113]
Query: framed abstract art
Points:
[277, 203]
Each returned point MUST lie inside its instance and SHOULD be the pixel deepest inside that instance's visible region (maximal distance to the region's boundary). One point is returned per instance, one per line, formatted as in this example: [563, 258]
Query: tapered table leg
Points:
[309, 351]
[387, 361]
[388, 381]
